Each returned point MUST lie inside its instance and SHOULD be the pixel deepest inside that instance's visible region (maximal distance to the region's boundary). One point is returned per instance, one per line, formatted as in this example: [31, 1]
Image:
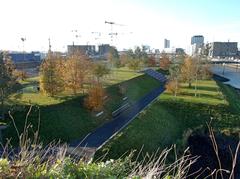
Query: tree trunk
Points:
[190, 84]
[176, 88]
[2, 103]
[196, 88]
[196, 81]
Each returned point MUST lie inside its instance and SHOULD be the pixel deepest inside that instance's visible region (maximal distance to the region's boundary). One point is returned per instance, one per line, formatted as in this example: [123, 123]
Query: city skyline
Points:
[143, 23]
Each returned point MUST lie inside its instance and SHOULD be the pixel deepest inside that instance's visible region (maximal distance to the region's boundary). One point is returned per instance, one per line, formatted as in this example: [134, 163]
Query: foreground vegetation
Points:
[35, 161]
[172, 119]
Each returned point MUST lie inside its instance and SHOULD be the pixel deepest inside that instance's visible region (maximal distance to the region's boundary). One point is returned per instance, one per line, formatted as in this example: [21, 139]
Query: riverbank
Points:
[230, 73]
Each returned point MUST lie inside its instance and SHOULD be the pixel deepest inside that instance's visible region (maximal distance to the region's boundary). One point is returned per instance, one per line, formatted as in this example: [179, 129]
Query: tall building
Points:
[166, 43]
[197, 39]
[223, 49]
[197, 43]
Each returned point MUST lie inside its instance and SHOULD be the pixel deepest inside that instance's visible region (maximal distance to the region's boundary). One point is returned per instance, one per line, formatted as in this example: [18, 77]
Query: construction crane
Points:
[111, 24]
[75, 35]
[98, 34]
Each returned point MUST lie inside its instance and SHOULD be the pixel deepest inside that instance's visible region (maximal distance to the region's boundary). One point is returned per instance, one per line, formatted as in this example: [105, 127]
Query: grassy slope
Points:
[168, 119]
[31, 96]
[65, 118]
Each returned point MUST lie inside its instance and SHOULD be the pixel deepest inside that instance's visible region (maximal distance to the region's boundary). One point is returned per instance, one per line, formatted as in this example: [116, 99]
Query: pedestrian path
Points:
[104, 133]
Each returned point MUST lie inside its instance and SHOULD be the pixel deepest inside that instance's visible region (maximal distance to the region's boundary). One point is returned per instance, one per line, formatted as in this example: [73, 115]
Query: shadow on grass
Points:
[65, 121]
[165, 123]
[204, 88]
[201, 95]
[232, 97]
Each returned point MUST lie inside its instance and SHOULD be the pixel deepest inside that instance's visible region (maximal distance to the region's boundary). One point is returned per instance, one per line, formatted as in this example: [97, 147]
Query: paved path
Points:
[230, 73]
[101, 135]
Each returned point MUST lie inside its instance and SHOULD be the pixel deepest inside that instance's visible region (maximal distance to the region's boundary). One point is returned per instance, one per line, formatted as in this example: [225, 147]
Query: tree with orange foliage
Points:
[77, 68]
[20, 74]
[164, 62]
[95, 99]
[51, 78]
[123, 59]
[173, 84]
[151, 61]
[173, 87]
[189, 70]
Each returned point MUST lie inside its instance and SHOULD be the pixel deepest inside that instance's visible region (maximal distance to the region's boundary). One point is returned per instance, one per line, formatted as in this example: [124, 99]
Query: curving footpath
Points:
[101, 135]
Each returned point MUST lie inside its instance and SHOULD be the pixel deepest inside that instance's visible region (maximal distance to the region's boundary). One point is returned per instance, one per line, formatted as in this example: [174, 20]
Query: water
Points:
[230, 73]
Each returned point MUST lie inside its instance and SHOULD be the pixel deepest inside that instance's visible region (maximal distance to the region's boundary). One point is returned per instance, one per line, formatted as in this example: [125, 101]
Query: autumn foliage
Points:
[189, 70]
[173, 87]
[77, 69]
[151, 61]
[95, 99]
[165, 62]
[51, 76]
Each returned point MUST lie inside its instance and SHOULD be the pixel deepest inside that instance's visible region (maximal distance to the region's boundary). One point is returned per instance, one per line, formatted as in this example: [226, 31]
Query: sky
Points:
[139, 22]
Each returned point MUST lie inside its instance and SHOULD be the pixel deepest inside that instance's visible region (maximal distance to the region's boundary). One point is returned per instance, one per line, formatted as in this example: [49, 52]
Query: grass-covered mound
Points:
[65, 117]
[170, 120]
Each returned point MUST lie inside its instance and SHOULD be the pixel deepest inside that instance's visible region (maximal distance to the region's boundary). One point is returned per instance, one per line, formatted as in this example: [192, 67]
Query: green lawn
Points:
[208, 92]
[168, 120]
[30, 94]
[135, 89]
[119, 75]
[64, 117]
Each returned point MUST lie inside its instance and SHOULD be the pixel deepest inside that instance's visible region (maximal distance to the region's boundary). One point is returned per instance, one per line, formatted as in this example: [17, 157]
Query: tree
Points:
[151, 61]
[164, 62]
[202, 71]
[173, 85]
[141, 54]
[95, 99]
[113, 57]
[7, 79]
[189, 70]
[20, 74]
[205, 72]
[130, 54]
[99, 70]
[134, 64]
[114, 52]
[123, 59]
[78, 68]
[51, 76]
[206, 49]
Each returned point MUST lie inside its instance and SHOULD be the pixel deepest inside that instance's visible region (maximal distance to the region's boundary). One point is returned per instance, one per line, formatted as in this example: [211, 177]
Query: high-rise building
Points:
[197, 43]
[197, 39]
[166, 43]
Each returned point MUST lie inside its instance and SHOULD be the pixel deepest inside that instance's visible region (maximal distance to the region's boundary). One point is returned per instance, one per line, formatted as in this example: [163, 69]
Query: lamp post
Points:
[223, 69]
[23, 39]
[238, 61]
